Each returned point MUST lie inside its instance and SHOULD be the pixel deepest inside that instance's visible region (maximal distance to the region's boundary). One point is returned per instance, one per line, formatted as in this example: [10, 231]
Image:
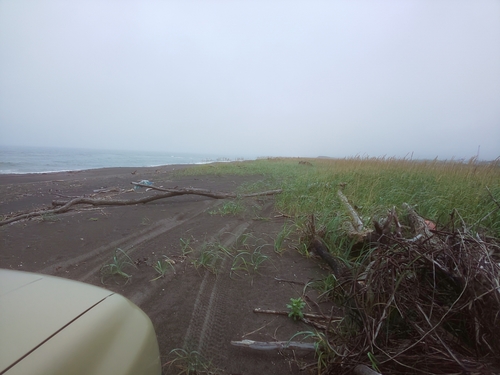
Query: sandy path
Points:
[192, 308]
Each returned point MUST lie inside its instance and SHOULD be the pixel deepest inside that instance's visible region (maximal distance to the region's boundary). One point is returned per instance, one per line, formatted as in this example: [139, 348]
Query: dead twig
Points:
[289, 281]
[275, 345]
[258, 329]
[276, 312]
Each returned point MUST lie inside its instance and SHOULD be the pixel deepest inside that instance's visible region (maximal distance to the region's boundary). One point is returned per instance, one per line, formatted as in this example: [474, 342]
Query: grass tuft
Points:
[191, 363]
[116, 267]
[162, 266]
[228, 208]
[279, 241]
[211, 256]
[246, 261]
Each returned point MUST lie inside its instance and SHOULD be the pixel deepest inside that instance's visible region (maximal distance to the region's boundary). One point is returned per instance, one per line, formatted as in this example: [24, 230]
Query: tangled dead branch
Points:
[424, 307]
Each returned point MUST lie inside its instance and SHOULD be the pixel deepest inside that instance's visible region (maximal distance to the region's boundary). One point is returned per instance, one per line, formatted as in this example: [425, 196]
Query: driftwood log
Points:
[295, 345]
[275, 345]
[277, 312]
[317, 247]
[62, 205]
[208, 193]
[357, 223]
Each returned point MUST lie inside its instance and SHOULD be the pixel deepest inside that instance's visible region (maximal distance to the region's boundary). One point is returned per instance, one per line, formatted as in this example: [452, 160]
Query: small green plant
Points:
[326, 286]
[210, 256]
[324, 352]
[245, 239]
[257, 258]
[116, 267]
[223, 250]
[373, 361]
[145, 221]
[162, 266]
[249, 241]
[191, 363]
[280, 239]
[248, 262]
[207, 260]
[49, 217]
[240, 263]
[228, 208]
[186, 246]
[296, 307]
[303, 250]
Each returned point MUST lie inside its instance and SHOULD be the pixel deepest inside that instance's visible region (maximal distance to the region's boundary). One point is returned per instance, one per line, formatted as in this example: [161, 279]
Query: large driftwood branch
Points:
[317, 246]
[167, 193]
[64, 208]
[111, 202]
[208, 193]
[65, 205]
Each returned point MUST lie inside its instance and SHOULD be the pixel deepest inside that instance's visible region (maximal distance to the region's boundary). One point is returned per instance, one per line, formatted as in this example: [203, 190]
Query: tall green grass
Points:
[436, 188]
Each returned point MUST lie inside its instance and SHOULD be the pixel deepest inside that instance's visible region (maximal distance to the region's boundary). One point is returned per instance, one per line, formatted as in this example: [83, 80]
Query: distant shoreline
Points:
[39, 160]
[92, 169]
[20, 178]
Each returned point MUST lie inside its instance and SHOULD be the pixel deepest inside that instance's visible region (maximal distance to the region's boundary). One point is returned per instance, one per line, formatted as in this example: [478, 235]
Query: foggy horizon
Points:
[253, 78]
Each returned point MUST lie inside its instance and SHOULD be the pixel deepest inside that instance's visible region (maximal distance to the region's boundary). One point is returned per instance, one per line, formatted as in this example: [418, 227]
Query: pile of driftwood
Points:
[415, 299]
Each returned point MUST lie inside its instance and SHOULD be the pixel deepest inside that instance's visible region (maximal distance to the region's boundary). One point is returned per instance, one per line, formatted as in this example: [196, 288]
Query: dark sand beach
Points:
[190, 308]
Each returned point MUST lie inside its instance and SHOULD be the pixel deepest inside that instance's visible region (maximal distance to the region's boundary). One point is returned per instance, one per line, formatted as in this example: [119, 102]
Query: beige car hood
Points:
[35, 307]
[55, 326]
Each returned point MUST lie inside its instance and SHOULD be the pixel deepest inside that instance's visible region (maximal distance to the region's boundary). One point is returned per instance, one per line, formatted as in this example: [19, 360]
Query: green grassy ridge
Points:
[374, 185]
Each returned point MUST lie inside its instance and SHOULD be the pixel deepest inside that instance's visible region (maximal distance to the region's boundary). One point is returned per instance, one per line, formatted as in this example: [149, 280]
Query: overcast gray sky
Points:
[254, 78]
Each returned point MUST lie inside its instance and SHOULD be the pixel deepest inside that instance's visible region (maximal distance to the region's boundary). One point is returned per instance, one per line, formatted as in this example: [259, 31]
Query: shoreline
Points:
[20, 193]
[20, 178]
[44, 160]
[91, 169]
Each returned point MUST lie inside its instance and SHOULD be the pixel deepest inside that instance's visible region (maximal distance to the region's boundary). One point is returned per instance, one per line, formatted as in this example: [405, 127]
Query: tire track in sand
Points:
[206, 328]
[93, 259]
[206, 318]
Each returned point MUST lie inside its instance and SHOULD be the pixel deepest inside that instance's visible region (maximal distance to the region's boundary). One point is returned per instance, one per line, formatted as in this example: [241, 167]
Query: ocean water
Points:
[19, 160]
